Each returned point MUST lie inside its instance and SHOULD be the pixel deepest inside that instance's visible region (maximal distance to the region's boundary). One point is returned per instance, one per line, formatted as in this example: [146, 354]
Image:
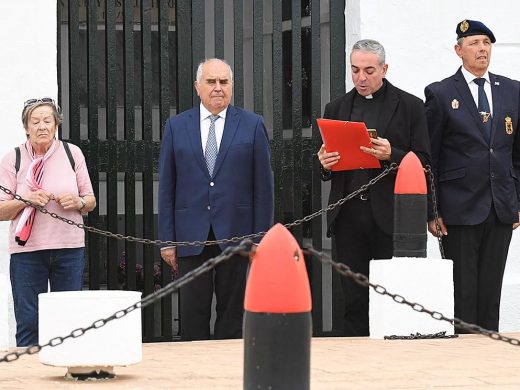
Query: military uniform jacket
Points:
[471, 172]
[403, 122]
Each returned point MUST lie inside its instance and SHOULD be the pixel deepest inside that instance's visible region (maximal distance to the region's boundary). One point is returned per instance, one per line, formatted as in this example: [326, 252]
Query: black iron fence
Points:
[125, 66]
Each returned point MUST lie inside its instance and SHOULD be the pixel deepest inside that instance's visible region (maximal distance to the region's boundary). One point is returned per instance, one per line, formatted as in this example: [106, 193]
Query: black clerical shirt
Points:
[365, 109]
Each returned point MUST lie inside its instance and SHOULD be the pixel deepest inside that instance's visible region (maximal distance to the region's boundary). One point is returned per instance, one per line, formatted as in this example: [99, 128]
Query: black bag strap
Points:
[65, 146]
[69, 155]
[17, 162]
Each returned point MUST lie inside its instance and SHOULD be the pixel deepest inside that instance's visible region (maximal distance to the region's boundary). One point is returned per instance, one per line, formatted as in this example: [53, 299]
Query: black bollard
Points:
[277, 318]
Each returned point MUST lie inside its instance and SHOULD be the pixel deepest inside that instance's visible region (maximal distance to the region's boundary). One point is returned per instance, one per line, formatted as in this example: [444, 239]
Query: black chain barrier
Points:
[390, 168]
[242, 249]
[362, 280]
[429, 172]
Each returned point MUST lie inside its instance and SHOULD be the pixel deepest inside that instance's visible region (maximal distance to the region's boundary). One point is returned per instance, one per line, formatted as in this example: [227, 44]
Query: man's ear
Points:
[458, 50]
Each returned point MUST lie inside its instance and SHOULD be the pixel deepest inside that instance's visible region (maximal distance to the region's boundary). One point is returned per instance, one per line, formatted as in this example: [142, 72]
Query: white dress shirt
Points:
[204, 126]
[473, 87]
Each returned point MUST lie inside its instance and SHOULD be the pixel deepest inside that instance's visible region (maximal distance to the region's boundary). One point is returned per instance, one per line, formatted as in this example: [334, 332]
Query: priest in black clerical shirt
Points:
[361, 229]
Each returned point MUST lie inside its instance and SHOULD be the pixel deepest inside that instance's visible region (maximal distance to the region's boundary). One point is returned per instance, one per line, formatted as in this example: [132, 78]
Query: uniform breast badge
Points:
[485, 116]
[455, 104]
[509, 125]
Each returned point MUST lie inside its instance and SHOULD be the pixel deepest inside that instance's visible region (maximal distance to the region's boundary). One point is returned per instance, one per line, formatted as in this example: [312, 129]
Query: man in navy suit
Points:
[473, 125]
[215, 182]
[362, 228]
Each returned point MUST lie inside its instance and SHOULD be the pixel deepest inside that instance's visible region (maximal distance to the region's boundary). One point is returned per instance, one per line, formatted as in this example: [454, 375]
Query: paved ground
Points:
[469, 362]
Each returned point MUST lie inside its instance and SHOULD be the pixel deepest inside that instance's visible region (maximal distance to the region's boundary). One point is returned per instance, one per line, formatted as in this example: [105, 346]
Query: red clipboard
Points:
[346, 138]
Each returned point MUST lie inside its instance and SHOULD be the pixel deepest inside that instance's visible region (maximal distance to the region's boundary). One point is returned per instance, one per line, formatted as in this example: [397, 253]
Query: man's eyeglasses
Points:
[49, 100]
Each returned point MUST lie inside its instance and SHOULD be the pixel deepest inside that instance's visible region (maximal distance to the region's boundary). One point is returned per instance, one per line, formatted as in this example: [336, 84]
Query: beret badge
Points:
[464, 25]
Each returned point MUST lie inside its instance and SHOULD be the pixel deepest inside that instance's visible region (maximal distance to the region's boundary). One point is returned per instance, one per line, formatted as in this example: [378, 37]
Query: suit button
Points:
[491, 150]
[211, 184]
[209, 207]
[492, 175]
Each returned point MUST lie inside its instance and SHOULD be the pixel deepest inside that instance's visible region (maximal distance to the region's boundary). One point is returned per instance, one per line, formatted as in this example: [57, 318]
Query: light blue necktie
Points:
[211, 145]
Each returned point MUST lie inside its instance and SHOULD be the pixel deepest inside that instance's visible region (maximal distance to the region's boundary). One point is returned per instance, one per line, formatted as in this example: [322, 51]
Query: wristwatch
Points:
[83, 202]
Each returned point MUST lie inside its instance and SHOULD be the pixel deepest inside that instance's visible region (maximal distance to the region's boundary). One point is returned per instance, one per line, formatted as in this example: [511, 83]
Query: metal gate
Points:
[125, 66]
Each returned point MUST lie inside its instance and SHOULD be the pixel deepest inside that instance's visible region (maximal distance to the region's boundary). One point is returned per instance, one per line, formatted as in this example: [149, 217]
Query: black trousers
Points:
[479, 255]
[358, 240]
[227, 281]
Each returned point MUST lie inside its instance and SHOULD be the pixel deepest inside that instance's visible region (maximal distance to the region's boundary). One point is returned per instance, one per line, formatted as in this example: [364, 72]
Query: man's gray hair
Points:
[201, 64]
[372, 47]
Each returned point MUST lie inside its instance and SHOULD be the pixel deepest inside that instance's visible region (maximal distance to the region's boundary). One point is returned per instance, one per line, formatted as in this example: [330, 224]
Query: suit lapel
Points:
[230, 128]
[388, 108]
[467, 98]
[193, 133]
[345, 109]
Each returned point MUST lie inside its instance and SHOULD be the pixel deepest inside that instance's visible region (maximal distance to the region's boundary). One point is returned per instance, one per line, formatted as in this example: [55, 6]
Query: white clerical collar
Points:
[369, 96]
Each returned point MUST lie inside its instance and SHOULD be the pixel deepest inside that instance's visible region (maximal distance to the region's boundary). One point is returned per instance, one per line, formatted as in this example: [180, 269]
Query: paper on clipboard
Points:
[346, 138]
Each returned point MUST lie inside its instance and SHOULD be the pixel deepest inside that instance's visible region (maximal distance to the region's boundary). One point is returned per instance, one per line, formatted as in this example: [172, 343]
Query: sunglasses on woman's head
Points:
[30, 102]
[48, 100]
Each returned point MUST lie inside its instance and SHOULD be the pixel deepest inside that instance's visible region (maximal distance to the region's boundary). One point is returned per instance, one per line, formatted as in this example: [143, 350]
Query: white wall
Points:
[27, 70]
[418, 36]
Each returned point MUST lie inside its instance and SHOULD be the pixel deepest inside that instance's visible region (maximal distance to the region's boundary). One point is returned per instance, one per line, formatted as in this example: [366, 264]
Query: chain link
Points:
[241, 249]
[362, 280]
[429, 171]
[232, 240]
[420, 336]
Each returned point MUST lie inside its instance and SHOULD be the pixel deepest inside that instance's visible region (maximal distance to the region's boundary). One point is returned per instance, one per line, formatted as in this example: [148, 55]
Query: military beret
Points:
[473, 27]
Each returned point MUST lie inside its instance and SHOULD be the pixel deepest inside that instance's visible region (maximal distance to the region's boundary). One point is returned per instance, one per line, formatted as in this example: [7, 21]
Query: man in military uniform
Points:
[473, 124]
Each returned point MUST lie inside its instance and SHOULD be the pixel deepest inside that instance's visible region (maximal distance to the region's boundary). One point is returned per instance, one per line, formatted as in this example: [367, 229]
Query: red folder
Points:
[346, 138]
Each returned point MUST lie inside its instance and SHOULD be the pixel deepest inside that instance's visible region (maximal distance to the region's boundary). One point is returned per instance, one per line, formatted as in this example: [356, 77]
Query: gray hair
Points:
[202, 63]
[372, 47]
[28, 110]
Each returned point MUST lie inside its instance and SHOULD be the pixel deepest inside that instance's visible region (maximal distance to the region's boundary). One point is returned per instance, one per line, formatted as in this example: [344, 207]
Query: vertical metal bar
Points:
[129, 115]
[337, 88]
[164, 85]
[59, 55]
[148, 214]
[198, 17]
[219, 28]
[316, 282]
[337, 48]
[297, 113]
[238, 71]
[184, 55]
[74, 70]
[277, 85]
[258, 56]
[111, 131]
[95, 264]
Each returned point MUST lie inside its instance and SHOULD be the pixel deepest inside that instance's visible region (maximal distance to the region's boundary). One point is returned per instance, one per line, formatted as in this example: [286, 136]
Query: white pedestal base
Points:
[118, 343]
[4, 312]
[428, 282]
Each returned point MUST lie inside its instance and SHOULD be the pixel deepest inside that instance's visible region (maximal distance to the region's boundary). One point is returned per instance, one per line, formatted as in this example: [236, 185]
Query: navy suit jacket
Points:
[403, 122]
[238, 199]
[472, 173]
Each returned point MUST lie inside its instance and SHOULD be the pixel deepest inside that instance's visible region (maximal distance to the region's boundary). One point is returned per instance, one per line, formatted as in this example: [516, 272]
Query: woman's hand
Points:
[39, 197]
[69, 201]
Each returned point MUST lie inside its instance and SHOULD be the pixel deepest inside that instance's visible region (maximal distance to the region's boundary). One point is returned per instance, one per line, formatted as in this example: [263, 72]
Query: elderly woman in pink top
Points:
[43, 250]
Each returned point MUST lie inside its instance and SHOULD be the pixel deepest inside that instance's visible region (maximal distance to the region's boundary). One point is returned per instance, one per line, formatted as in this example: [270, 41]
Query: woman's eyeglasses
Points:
[49, 100]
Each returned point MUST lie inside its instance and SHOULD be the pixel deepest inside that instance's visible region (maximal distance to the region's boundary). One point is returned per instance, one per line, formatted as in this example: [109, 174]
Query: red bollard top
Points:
[278, 281]
[410, 178]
